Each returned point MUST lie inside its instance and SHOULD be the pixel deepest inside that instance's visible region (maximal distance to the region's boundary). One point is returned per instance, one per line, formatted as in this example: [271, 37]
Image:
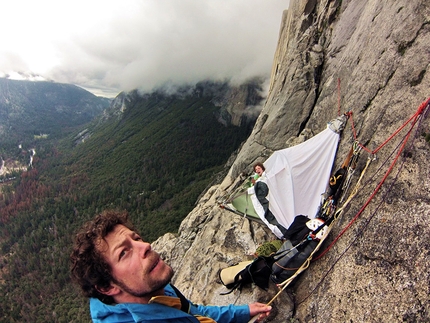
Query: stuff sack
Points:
[283, 257]
[278, 266]
[295, 250]
[268, 248]
[257, 272]
[288, 263]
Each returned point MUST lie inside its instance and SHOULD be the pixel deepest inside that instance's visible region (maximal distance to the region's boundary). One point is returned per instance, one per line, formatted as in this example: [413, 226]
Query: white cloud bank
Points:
[111, 46]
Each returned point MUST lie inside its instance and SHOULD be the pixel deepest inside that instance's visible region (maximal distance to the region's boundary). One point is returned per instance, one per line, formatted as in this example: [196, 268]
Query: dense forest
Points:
[153, 159]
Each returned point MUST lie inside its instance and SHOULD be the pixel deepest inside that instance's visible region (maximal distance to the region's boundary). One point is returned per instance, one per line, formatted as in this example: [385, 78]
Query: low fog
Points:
[110, 46]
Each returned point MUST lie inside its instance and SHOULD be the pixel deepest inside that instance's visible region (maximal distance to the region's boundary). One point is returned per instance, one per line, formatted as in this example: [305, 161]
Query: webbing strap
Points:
[185, 304]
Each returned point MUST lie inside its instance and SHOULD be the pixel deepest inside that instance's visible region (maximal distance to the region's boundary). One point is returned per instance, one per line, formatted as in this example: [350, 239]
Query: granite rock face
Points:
[370, 58]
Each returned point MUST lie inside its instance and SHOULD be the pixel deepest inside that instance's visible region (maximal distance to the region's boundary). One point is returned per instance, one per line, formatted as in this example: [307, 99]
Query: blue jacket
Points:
[145, 313]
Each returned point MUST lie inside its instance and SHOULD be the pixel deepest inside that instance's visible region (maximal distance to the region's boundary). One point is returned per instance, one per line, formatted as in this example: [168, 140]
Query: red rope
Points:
[413, 117]
[405, 140]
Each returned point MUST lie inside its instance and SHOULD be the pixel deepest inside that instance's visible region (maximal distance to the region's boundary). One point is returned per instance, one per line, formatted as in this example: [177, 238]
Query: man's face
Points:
[138, 271]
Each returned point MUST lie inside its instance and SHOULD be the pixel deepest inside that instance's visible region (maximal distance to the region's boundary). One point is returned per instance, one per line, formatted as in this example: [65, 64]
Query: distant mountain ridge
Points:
[237, 104]
[29, 108]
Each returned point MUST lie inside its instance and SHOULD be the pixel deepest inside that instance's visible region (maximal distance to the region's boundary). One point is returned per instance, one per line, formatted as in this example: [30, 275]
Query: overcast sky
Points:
[110, 46]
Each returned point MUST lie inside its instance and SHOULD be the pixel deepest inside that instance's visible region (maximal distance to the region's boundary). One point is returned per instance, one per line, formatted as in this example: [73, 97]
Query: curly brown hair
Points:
[88, 267]
[259, 164]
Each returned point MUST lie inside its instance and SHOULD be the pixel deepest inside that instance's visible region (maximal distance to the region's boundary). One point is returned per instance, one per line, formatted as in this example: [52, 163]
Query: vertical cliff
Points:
[370, 58]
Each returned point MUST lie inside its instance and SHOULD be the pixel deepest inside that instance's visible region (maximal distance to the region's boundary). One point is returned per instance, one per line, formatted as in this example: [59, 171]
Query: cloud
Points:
[114, 46]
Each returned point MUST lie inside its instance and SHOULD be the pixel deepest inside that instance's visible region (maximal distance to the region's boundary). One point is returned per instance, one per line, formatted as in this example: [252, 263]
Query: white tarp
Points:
[298, 176]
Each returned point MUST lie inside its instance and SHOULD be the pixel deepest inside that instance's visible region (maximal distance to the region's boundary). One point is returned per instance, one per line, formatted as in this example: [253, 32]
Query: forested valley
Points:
[153, 158]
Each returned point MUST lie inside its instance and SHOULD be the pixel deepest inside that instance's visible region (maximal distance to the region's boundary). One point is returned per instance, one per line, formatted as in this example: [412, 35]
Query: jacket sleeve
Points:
[220, 314]
[223, 314]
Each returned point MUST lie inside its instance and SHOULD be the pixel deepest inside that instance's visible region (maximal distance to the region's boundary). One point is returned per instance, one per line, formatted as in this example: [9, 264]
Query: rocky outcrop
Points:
[370, 58]
[240, 104]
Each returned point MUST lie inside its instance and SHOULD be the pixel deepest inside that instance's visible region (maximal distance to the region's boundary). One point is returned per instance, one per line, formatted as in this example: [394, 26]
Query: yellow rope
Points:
[355, 189]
